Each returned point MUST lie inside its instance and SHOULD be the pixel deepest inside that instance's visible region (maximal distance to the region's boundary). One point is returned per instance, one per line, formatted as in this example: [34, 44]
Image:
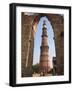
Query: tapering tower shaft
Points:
[44, 51]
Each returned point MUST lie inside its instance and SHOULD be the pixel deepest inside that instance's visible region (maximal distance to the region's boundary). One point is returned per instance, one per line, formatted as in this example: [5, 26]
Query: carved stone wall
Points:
[26, 45]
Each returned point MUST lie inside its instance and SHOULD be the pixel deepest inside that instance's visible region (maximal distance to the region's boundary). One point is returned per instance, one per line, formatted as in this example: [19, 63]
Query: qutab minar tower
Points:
[44, 51]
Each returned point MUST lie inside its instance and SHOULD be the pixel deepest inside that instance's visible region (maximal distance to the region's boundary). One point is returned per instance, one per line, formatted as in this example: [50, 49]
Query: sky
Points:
[38, 38]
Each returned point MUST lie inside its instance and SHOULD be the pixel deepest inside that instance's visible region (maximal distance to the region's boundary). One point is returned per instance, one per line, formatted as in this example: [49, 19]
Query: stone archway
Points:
[29, 23]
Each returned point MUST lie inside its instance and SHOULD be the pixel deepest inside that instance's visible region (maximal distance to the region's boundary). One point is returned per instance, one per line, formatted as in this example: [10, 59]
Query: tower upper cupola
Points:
[44, 24]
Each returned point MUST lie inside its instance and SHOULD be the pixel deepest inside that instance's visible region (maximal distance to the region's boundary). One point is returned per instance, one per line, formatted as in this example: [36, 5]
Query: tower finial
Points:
[44, 23]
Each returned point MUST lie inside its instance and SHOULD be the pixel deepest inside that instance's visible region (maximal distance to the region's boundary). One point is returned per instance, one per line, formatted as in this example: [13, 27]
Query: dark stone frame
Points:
[12, 81]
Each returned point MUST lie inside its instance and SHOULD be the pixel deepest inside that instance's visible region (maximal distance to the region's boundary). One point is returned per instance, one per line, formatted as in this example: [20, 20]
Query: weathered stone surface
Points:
[26, 45]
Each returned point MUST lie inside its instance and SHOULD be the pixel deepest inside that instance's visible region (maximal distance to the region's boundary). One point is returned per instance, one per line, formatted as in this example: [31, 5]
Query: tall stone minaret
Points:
[44, 51]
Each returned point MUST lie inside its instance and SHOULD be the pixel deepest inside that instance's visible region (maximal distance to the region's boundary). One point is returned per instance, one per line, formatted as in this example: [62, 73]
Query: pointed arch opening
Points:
[37, 44]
